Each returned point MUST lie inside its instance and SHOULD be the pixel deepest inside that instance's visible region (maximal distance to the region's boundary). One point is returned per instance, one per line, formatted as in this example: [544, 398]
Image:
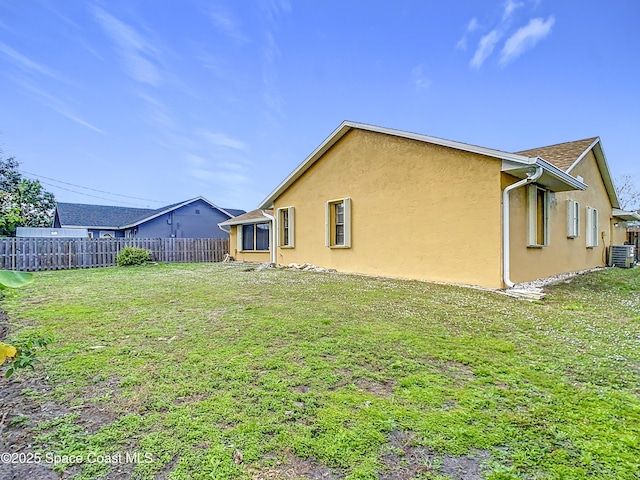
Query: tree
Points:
[23, 202]
[628, 192]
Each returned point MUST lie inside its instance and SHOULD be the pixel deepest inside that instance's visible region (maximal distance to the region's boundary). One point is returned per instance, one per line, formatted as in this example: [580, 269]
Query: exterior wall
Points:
[619, 233]
[563, 254]
[96, 233]
[262, 257]
[418, 211]
[184, 222]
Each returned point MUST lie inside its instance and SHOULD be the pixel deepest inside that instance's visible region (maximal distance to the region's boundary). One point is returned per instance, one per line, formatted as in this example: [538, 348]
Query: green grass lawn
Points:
[303, 374]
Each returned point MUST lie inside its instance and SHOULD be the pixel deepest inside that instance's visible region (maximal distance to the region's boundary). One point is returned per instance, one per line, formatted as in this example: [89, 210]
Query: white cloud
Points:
[485, 48]
[139, 54]
[526, 38]
[223, 140]
[510, 6]
[420, 80]
[27, 64]
[57, 105]
[472, 26]
[275, 8]
[224, 21]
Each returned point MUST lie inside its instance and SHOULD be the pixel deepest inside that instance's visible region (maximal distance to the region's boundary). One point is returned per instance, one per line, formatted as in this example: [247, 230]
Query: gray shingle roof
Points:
[561, 155]
[80, 214]
[252, 216]
[83, 215]
[234, 211]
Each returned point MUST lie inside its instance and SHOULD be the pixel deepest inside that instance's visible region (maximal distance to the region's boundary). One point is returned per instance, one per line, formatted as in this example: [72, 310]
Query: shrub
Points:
[133, 256]
[23, 353]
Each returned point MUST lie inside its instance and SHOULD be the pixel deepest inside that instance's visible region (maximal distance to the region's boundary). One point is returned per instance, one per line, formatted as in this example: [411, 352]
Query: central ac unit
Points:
[621, 256]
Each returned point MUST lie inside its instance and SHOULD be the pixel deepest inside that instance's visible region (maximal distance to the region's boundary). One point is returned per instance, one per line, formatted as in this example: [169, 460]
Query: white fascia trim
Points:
[247, 221]
[272, 240]
[91, 227]
[489, 152]
[336, 135]
[603, 165]
[346, 126]
[624, 215]
[175, 207]
[560, 174]
[584, 154]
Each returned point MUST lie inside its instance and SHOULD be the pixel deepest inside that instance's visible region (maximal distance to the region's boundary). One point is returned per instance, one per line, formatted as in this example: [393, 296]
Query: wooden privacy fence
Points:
[33, 254]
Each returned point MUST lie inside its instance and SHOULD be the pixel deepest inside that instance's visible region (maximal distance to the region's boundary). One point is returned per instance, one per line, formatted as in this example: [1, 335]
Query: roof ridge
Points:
[591, 140]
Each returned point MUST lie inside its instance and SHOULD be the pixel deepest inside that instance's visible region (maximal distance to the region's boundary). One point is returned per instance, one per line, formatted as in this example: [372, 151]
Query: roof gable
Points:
[83, 215]
[569, 154]
[562, 155]
[514, 161]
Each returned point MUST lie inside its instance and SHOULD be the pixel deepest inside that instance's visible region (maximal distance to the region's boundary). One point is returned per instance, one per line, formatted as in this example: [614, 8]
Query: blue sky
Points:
[168, 100]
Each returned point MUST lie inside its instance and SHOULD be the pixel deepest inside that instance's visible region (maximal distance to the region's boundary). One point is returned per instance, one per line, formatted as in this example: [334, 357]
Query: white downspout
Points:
[272, 240]
[531, 177]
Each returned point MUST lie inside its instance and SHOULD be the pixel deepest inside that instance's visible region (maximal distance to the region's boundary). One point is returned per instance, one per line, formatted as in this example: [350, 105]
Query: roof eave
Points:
[625, 215]
[571, 182]
[92, 227]
[346, 126]
[552, 177]
[245, 221]
[175, 207]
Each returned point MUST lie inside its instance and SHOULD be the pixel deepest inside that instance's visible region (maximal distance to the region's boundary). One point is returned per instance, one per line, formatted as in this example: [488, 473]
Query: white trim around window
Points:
[286, 227]
[337, 227]
[573, 219]
[592, 227]
[257, 239]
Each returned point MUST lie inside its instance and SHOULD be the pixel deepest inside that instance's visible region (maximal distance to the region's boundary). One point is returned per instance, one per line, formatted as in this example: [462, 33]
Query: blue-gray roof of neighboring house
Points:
[83, 215]
[234, 211]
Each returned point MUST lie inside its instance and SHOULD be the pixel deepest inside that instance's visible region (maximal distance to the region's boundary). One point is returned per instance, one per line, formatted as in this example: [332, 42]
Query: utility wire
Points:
[94, 196]
[92, 189]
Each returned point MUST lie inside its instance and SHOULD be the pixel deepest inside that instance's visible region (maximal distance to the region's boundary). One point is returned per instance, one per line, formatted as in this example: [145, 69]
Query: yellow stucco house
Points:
[385, 202]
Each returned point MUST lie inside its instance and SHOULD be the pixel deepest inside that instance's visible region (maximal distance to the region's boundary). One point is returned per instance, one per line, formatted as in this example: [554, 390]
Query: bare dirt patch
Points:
[293, 468]
[25, 403]
[380, 389]
[460, 372]
[403, 459]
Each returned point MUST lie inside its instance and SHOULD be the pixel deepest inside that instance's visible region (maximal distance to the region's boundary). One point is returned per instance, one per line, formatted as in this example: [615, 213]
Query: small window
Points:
[197, 211]
[538, 213]
[253, 237]
[592, 227]
[573, 219]
[262, 236]
[338, 223]
[286, 227]
[248, 237]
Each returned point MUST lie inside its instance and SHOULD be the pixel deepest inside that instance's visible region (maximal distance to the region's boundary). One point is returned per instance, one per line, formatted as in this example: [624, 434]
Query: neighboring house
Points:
[385, 202]
[195, 218]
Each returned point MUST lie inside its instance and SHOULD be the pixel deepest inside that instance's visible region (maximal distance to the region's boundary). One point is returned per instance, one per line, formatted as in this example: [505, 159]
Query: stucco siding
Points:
[241, 256]
[418, 210]
[562, 254]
